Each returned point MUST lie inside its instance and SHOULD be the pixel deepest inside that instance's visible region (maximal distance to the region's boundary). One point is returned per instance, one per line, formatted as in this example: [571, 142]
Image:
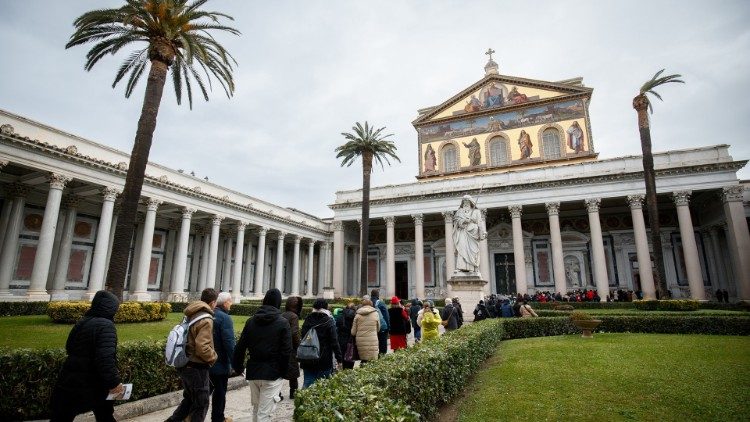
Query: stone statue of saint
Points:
[467, 232]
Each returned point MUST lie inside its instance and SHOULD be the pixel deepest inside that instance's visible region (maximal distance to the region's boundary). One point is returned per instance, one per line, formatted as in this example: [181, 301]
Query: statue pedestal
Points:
[469, 289]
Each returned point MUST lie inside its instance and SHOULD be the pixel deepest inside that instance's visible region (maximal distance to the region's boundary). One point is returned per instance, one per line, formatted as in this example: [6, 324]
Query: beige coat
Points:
[366, 326]
[527, 312]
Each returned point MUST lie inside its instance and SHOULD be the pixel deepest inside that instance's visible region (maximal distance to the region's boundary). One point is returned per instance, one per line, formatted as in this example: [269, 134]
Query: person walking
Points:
[325, 328]
[459, 312]
[448, 316]
[399, 323]
[429, 320]
[344, 323]
[384, 328]
[201, 356]
[89, 372]
[267, 339]
[292, 311]
[526, 311]
[416, 306]
[365, 330]
[224, 342]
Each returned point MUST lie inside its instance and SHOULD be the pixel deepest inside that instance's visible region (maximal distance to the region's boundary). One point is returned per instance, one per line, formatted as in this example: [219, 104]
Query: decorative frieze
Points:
[6, 129]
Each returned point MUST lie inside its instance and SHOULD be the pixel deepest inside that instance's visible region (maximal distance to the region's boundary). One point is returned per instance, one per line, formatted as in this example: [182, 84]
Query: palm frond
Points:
[656, 81]
[366, 139]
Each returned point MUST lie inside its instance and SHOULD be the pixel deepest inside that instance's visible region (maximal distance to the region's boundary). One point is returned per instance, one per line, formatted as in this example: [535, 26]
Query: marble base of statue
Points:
[469, 289]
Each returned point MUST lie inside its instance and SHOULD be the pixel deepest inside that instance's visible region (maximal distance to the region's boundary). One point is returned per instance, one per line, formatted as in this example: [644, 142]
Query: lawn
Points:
[613, 377]
[39, 332]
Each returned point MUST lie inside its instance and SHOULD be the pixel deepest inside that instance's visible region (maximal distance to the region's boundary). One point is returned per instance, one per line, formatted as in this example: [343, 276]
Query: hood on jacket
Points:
[266, 314]
[318, 318]
[104, 305]
[365, 310]
[197, 306]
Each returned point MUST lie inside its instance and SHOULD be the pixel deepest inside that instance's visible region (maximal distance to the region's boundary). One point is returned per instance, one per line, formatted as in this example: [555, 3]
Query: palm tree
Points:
[177, 37]
[642, 104]
[371, 145]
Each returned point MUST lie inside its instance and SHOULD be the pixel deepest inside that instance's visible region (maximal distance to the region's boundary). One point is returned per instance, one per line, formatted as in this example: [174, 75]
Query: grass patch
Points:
[614, 377]
[39, 332]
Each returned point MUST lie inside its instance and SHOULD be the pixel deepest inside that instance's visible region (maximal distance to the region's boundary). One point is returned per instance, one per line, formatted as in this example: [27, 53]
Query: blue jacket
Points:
[224, 342]
[384, 311]
[506, 311]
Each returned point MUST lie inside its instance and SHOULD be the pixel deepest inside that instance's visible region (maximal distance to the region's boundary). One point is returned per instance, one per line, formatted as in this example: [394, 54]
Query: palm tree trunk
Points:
[365, 241]
[131, 193]
[640, 103]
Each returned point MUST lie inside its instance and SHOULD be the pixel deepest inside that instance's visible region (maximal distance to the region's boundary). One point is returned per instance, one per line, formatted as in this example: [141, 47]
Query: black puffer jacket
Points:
[268, 340]
[90, 369]
[344, 327]
[329, 341]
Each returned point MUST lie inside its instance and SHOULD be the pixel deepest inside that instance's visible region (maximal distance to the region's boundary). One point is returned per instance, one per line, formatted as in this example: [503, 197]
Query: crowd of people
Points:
[267, 352]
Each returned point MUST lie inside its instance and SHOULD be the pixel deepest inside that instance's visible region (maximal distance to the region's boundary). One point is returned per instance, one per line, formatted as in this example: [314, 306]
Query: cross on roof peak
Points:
[490, 52]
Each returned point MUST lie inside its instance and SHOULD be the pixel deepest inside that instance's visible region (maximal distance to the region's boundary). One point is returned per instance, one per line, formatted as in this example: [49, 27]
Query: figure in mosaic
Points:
[575, 137]
[467, 232]
[475, 156]
[429, 159]
[525, 145]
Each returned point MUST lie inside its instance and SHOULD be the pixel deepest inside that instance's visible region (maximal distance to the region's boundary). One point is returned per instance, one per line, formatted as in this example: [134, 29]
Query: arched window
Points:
[551, 143]
[450, 158]
[498, 151]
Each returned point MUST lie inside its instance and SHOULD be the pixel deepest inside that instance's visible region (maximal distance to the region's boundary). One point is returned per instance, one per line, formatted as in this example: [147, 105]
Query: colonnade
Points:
[736, 227]
[54, 243]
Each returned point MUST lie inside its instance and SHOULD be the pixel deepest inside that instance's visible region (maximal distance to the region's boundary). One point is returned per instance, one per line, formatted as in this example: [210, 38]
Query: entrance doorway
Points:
[505, 274]
[402, 279]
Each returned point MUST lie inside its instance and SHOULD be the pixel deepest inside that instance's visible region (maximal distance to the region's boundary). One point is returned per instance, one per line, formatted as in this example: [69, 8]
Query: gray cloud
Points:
[308, 70]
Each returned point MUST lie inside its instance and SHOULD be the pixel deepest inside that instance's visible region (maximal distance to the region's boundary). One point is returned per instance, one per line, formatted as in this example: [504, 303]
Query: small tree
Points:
[177, 37]
[641, 103]
[371, 145]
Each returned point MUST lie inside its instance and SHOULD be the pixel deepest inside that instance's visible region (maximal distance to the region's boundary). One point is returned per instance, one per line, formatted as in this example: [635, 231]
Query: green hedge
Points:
[667, 305]
[243, 309]
[27, 377]
[403, 385]
[23, 308]
[66, 312]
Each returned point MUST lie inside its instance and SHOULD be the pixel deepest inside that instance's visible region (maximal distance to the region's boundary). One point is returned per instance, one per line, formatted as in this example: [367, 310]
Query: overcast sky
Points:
[309, 69]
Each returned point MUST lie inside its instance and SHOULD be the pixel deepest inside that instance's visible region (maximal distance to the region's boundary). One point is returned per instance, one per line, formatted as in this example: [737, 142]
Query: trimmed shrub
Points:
[27, 377]
[23, 308]
[667, 305]
[405, 385]
[70, 312]
[580, 316]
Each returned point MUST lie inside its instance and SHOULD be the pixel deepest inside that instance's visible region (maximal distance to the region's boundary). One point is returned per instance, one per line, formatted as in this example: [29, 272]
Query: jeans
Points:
[383, 342]
[311, 376]
[262, 394]
[218, 396]
[417, 332]
[195, 384]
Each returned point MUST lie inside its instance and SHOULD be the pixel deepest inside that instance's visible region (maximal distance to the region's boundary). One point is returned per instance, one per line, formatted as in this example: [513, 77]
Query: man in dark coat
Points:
[480, 312]
[416, 306]
[90, 372]
[224, 345]
[344, 323]
[320, 321]
[459, 312]
[268, 341]
[449, 315]
[292, 311]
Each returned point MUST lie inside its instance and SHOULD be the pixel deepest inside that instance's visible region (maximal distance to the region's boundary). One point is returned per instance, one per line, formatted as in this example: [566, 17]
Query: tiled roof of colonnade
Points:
[57, 151]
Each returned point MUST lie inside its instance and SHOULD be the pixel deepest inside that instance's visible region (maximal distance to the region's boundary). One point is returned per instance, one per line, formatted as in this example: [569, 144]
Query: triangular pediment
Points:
[499, 92]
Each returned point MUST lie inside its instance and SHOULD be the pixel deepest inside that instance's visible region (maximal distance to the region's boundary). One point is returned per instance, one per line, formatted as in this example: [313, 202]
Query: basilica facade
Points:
[557, 217]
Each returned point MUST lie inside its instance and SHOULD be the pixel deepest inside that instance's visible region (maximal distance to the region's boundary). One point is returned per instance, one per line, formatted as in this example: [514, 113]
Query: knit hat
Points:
[395, 301]
[273, 298]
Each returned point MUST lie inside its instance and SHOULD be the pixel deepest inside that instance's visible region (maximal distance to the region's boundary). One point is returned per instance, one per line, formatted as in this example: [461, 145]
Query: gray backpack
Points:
[309, 348]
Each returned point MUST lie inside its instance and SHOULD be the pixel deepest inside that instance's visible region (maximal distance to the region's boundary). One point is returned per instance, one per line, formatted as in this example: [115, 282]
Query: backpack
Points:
[175, 352]
[383, 324]
[309, 348]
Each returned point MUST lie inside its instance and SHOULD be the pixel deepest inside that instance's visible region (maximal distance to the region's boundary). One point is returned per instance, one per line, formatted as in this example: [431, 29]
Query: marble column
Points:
[96, 273]
[310, 268]
[37, 286]
[225, 280]
[205, 252]
[338, 259]
[321, 268]
[177, 294]
[296, 266]
[169, 258]
[390, 257]
[140, 293]
[558, 265]
[484, 254]
[418, 256]
[213, 252]
[450, 250]
[519, 260]
[721, 273]
[738, 238]
[601, 279]
[260, 261]
[645, 269]
[689, 247]
[279, 270]
[247, 278]
[5, 218]
[10, 241]
[238, 253]
[66, 245]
